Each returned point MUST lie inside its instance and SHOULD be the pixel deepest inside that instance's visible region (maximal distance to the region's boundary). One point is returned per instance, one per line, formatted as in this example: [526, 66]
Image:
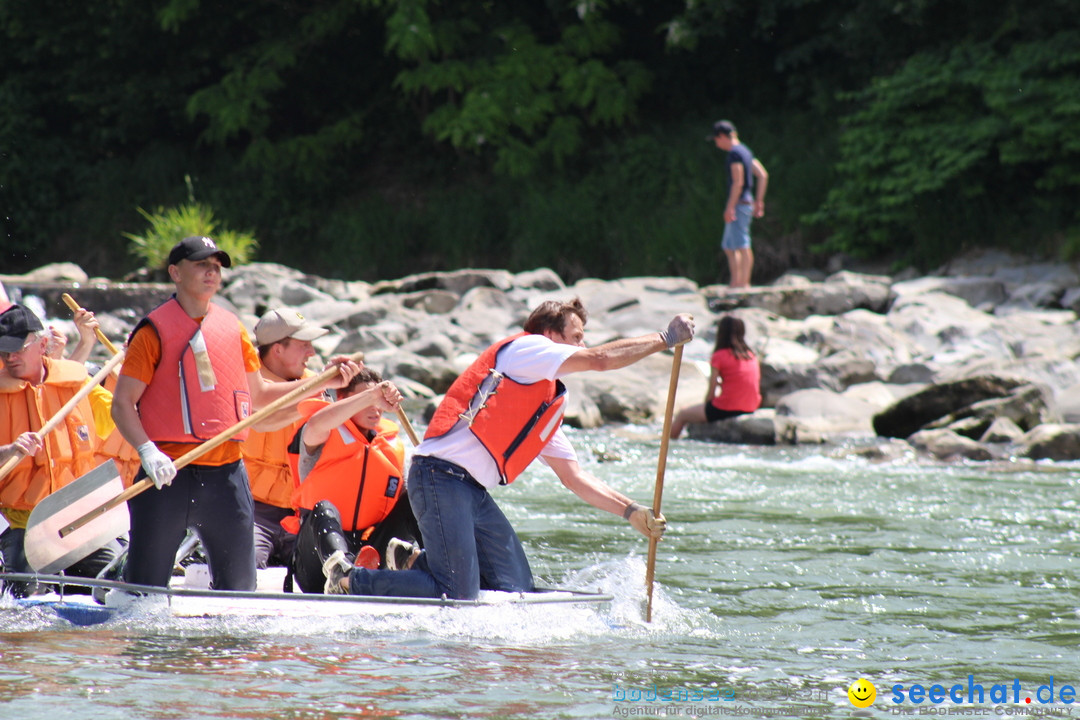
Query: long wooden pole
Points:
[658, 492]
[219, 439]
[408, 426]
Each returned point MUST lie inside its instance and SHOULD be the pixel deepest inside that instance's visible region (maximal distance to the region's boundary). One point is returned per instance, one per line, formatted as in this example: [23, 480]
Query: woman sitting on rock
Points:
[734, 383]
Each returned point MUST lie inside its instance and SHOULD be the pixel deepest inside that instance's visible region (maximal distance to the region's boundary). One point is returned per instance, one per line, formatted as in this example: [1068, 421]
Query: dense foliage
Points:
[375, 138]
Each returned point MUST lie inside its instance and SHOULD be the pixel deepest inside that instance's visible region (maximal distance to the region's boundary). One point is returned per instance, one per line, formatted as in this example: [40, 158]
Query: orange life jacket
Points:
[362, 478]
[181, 404]
[512, 420]
[67, 452]
[117, 449]
[266, 458]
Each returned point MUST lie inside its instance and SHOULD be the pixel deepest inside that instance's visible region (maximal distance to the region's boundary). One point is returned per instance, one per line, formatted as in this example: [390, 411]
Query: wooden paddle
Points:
[658, 493]
[62, 413]
[408, 426]
[219, 439]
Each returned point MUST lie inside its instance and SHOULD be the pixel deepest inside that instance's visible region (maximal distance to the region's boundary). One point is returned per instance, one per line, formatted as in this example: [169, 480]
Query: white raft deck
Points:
[189, 597]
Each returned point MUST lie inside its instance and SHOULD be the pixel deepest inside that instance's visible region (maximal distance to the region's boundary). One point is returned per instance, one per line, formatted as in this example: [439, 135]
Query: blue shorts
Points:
[737, 233]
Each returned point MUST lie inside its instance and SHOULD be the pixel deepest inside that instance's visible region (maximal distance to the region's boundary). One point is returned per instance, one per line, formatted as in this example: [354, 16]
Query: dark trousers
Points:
[213, 502]
[321, 535]
[273, 544]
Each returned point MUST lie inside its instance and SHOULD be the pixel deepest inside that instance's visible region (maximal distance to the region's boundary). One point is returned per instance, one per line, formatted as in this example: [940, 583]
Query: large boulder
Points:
[1026, 406]
[821, 414]
[918, 410]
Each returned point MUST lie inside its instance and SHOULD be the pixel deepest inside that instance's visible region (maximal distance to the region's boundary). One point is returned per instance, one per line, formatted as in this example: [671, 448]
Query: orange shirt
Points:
[143, 356]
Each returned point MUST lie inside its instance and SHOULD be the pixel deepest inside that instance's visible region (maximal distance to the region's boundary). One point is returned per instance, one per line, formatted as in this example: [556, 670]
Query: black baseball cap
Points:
[16, 323]
[721, 127]
[198, 247]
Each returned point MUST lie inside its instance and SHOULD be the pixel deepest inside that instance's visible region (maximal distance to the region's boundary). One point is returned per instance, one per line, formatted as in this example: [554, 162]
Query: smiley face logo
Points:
[862, 693]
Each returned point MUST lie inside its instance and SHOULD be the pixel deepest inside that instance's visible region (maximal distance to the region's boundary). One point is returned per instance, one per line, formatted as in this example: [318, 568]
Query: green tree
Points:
[962, 145]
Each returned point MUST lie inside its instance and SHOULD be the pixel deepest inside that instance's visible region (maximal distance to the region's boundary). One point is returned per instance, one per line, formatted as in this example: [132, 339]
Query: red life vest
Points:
[178, 406]
[362, 478]
[512, 420]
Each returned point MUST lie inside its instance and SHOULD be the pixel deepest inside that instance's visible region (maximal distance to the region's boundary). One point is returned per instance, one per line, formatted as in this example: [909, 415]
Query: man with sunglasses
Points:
[33, 387]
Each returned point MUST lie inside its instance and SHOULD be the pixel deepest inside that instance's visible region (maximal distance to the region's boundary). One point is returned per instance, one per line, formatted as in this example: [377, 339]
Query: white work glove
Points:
[680, 330]
[158, 466]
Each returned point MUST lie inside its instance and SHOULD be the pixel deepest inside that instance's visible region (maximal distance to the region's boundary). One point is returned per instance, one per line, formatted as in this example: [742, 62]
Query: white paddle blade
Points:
[48, 552]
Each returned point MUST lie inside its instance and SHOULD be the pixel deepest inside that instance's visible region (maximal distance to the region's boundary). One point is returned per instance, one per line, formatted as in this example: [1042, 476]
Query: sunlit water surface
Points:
[786, 575]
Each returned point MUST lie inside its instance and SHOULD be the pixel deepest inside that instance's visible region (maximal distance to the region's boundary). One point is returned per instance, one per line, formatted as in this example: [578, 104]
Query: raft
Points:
[101, 600]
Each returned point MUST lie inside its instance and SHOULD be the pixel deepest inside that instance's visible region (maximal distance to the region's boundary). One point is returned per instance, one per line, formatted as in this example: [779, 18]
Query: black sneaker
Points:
[336, 568]
[400, 555]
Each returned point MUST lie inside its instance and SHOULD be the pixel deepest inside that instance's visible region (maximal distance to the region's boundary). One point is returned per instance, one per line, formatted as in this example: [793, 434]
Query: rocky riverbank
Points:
[976, 361]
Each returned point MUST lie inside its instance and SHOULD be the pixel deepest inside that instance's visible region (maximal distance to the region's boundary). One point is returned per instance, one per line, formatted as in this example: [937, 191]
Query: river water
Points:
[787, 575]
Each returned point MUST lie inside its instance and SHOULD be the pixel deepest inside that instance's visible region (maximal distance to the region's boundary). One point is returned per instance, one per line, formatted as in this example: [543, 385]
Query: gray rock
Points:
[435, 345]
[1068, 403]
[435, 302]
[544, 279]
[881, 451]
[920, 409]
[1026, 406]
[434, 373]
[1051, 442]
[758, 428]
[822, 413]
[489, 314]
[981, 293]
[458, 282]
[1002, 430]
[328, 313]
[582, 412]
[948, 445]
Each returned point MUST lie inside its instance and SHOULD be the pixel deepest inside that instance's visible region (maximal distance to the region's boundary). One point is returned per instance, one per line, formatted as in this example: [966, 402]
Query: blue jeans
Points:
[737, 233]
[468, 542]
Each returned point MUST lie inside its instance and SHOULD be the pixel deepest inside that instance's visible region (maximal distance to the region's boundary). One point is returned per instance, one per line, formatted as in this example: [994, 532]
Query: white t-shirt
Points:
[527, 360]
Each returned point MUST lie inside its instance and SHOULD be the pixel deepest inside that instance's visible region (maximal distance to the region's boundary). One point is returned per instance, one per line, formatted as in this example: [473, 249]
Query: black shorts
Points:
[713, 413]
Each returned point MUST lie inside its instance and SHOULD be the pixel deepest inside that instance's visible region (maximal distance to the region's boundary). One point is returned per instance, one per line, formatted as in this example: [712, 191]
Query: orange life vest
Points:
[67, 452]
[362, 478]
[266, 458]
[182, 404]
[117, 449]
[512, 420]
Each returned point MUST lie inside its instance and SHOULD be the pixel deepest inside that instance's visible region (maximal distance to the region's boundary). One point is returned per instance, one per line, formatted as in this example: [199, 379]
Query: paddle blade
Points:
[48, 552]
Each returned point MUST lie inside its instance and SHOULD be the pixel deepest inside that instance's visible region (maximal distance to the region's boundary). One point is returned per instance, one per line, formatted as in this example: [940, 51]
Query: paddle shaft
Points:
[661, 466]
[219, 439]
[62, 413]
[75, 307]
[408, 426]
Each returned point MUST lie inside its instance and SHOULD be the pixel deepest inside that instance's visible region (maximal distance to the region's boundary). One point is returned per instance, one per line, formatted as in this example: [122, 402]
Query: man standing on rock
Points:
[498, 416]
[747, 182]
[190, 374]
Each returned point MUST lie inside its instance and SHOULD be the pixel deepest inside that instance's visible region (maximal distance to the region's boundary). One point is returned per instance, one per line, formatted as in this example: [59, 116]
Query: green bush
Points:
[169, 226]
